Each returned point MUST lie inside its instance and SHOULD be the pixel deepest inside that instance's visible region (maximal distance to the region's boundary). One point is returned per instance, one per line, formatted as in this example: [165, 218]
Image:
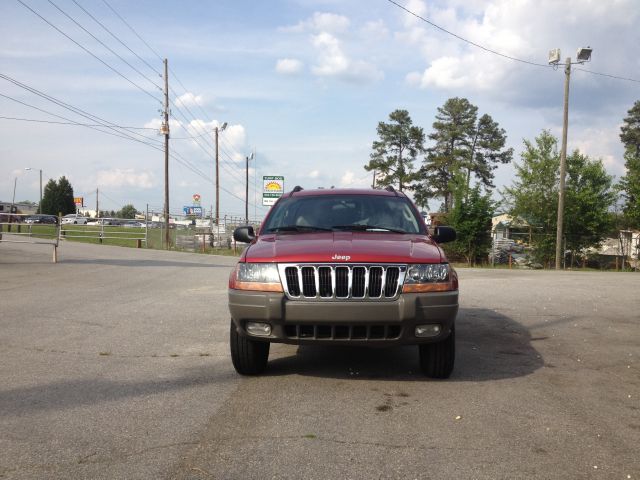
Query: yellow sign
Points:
[272, 189]
[79, 201]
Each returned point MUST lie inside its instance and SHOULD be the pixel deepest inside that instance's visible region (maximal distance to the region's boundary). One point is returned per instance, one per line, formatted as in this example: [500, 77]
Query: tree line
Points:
[58, 197]
[457, 167]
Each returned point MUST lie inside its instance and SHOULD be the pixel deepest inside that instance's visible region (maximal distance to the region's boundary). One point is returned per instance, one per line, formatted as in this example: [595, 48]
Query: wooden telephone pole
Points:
[165, 131]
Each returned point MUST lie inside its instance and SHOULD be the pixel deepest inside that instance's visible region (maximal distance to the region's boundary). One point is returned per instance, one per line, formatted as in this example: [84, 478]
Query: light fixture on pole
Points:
[218, 130]
[246, 195]
[582, 55]
[40, 203]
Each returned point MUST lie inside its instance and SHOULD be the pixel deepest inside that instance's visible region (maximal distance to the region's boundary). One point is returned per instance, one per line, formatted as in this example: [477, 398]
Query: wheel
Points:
[248, 356]
[437, 359]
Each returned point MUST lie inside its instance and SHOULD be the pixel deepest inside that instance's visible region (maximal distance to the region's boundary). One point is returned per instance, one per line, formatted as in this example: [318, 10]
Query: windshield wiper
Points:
[367, 228]
[298, 228]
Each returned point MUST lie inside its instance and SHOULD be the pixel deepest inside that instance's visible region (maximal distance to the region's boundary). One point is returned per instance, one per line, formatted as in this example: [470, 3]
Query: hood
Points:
[343, 247]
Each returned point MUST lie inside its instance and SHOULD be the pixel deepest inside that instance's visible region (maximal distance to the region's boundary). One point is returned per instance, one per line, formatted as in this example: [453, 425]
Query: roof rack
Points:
[389, 188]
[296, 189]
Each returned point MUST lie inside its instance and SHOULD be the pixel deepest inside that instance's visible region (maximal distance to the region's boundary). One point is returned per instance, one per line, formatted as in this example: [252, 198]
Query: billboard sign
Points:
[79, 201]
[192, 210]
[272, 189]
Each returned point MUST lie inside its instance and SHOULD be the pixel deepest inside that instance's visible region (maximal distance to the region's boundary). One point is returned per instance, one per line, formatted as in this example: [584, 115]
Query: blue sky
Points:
[301, 83]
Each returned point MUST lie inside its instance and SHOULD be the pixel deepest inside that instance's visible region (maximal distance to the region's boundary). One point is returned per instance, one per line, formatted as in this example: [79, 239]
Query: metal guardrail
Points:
[15, 229]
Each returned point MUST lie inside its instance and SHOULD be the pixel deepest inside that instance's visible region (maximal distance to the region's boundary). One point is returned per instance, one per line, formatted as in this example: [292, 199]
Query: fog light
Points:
[259, 329]
[432, 330]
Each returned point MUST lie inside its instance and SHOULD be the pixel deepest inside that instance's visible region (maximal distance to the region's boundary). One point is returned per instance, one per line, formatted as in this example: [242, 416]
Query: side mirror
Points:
[244, 234]
[442, 234]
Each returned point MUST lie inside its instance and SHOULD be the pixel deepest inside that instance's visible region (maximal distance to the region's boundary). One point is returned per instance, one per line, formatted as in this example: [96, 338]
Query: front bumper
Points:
[372, 323]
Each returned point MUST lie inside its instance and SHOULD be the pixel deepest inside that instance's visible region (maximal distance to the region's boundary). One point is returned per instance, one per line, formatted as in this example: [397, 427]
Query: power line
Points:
[178, 80]
[132, 29]
[78, 124]
[486, 49]
[115, 132]
[89, 52]
[464, 39]
[104, 44]
[67, 106]
[607, 75]
[118, 39]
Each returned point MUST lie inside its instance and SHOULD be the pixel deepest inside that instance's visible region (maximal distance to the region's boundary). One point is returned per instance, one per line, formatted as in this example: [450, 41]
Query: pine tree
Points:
[397, 148]
[630, 183]
[58, 197]
[463, 144]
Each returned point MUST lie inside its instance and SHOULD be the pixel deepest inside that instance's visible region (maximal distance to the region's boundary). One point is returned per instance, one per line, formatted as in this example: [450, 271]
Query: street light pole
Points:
[563, 166]
[13, 199]
[217, 130]
[583, 55]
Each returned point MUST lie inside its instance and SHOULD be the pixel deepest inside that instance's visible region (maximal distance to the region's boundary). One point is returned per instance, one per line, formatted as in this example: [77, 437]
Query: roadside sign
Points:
[272, 189]
[79, 201]
[196, 199]
[192, 210]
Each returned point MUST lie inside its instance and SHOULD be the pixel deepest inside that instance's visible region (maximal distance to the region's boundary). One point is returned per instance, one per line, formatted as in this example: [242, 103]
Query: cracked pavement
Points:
[114, 364]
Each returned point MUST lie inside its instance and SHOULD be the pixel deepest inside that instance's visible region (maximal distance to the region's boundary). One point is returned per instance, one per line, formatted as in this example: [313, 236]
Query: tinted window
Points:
[337, 212]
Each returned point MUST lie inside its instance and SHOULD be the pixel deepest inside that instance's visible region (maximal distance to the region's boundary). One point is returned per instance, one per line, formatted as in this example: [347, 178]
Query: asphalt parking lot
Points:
[114, 364]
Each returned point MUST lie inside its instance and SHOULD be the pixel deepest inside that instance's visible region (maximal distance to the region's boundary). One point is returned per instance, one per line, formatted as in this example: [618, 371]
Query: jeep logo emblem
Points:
[345, 258]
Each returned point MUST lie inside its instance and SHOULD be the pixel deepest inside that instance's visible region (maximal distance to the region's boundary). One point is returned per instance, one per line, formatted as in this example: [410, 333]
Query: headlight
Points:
[429, 277]
[256, 276]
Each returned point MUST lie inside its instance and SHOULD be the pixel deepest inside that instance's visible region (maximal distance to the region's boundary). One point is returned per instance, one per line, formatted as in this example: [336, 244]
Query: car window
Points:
[345, 212]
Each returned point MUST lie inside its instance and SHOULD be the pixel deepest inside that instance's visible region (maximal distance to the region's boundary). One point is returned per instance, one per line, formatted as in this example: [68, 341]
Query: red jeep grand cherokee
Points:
[347, 267]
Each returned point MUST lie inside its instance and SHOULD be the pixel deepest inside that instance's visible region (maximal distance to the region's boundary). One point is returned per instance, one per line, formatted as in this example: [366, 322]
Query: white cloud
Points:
[314, 174]
[601, 143]
[513, 29]
[125, 177]
[375, 30]
[320, 22]
[289, 66]
[333, 61]
[189, 99]
[349, 179]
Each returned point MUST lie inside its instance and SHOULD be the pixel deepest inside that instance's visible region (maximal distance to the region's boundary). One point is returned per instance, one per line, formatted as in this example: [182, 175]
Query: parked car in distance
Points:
[74, 218]
[133, 224]
[49, 219]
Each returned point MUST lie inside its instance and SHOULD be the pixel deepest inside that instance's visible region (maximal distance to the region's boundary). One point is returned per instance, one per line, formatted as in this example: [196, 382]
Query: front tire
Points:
[437, 359]
[248, 356]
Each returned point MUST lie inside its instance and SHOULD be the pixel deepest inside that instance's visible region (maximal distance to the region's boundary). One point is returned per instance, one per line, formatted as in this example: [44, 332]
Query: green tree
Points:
[397, 148]
[533, 196]
[57, 197]
[471, 217]
[463, 143]
[128, 211]
[630, 184]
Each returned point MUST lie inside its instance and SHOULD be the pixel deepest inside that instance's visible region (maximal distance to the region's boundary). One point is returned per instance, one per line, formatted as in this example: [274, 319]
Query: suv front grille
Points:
[343, 332]
[342, 282]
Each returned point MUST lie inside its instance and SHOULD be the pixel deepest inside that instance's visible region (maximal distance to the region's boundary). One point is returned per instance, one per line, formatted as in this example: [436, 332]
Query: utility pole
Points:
[217, 181]
[40, 204]
[246, 194]
[97, 205]
[165, 130]
[218, 130]
[563, 166]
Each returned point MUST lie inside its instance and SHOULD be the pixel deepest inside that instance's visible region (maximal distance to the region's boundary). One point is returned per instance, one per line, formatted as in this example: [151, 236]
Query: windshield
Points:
[368, 213]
